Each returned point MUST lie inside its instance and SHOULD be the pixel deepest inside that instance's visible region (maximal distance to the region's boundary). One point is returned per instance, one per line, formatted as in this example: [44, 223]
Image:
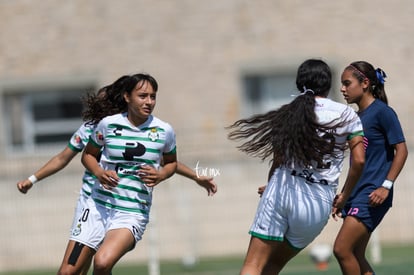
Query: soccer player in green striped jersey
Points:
[134, 145]
[75, 145]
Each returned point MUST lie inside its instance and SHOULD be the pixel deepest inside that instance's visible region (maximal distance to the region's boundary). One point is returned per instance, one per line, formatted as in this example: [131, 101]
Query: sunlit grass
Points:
[396, 260]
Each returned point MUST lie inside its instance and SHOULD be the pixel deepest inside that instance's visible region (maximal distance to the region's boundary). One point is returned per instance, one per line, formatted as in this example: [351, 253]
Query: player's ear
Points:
[126, 97]
[365, 83]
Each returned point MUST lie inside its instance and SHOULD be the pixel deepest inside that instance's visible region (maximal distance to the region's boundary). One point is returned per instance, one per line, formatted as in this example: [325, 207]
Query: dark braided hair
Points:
[292, 134]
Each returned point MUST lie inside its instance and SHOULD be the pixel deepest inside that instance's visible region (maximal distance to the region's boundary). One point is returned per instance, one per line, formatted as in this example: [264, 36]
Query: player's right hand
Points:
[261, 189]
[24, 185]
[108, 179]
[337, 206]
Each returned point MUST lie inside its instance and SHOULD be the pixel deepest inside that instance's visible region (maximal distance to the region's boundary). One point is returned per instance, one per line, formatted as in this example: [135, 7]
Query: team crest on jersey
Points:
[76, 231]
[99, 135]
[153, 134]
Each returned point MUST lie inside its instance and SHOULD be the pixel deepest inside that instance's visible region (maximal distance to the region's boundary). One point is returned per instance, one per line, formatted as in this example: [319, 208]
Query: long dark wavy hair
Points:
[292, 134]
[109, 100]
[376, 77]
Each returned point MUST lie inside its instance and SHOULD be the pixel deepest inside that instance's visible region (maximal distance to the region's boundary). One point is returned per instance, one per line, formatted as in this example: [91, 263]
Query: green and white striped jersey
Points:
[77, 143]
[125, 148]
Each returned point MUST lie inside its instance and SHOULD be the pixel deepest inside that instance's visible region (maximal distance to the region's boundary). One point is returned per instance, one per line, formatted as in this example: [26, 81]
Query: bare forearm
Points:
[52, 166]
[398, 162]
[91, 164]
[186, 171]
[55, 164]
[357, 165]
[351, 180]
[168, 170]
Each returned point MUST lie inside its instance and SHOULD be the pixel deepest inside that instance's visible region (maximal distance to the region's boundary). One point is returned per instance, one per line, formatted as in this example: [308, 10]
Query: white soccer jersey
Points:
[328, 111]
[297, 201]
[77, 143]
[125, 149]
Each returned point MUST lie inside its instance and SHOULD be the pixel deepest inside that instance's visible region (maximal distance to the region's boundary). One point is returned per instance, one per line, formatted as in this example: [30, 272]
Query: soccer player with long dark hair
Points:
[305, 140]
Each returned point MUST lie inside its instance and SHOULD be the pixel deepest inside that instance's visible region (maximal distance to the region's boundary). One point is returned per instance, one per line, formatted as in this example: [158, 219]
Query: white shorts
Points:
[292, 209]
[80, 205]
[91, 224]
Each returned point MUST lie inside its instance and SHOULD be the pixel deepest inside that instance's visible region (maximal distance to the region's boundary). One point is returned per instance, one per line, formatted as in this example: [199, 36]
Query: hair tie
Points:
[380, 75]
[306, 91]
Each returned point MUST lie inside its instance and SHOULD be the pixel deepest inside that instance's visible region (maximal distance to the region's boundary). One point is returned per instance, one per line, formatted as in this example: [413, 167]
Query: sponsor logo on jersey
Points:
[118, 131]
[133, 149]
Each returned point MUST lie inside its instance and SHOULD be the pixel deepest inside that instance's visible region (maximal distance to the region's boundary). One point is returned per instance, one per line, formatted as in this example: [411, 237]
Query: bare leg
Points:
[282, 253]
[359, 252]
[117, 242]
[76, 260]
[86, 266]
[266, 257]
[351, 234]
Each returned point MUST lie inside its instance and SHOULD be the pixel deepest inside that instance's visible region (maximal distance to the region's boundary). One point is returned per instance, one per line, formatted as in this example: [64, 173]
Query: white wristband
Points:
[32, 179]
[387, 184]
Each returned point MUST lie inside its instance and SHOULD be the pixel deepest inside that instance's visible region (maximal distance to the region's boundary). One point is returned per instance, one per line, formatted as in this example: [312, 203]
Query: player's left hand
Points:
[378, 196]
[149, 175]
[208, 184]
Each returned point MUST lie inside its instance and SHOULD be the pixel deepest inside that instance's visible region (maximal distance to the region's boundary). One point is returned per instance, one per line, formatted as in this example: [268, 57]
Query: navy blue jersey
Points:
[382, 130]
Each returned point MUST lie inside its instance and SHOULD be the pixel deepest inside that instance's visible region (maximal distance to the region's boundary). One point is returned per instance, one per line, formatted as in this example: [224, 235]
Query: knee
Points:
[248, 269]
[67, 270]
[339, 252]
[102, 265]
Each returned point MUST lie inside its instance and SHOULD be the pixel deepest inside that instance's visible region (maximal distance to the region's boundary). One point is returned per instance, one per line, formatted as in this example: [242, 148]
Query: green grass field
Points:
[396, 260]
